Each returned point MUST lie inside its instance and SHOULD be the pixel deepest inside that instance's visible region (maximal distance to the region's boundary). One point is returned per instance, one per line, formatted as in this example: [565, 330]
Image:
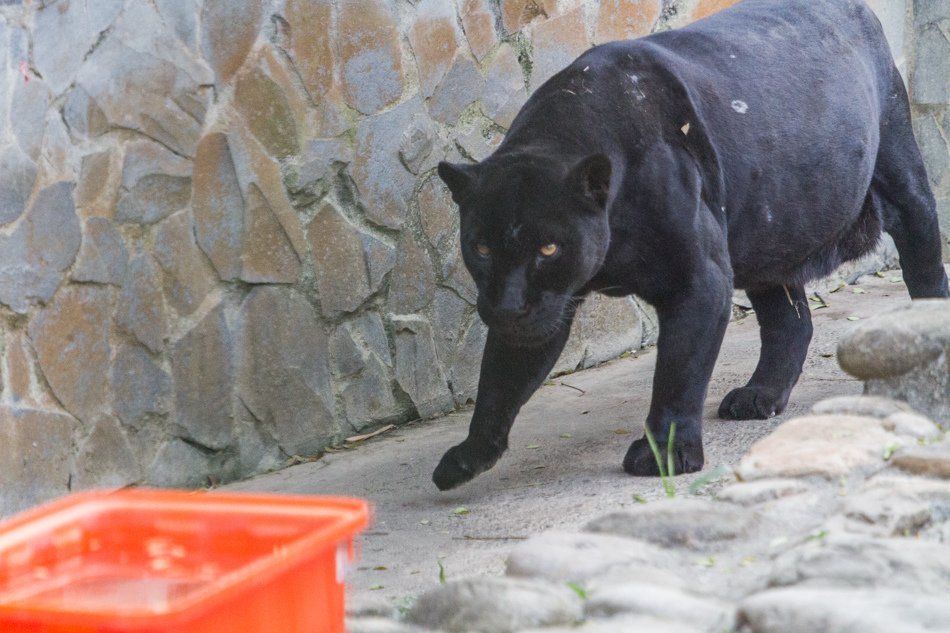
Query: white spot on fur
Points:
[732, 57]
[740, 106]
[685, 128]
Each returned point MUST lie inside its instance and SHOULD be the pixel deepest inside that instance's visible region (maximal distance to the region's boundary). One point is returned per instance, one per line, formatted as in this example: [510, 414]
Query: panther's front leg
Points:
[692, 325]
[509, 375]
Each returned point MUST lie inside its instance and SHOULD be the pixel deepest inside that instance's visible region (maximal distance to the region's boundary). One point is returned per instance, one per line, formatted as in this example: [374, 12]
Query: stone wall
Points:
[223, 243]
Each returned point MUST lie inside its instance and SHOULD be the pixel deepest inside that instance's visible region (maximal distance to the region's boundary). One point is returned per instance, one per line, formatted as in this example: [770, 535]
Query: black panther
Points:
[758, 149]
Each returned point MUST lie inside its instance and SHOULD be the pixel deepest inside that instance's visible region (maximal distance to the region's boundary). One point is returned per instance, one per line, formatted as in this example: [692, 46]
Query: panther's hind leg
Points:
[907, 203]
[785, 330]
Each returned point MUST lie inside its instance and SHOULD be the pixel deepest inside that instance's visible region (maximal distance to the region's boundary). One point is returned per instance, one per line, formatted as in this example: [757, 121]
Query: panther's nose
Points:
[511, 303]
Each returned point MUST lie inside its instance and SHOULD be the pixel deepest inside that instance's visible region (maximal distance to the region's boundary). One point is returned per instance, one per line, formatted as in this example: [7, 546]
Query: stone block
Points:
[309, 44]
[63, 35]
[267, 255]
[187, 279]
[284, 377]
[465, 369]
[418, 142]
[228, 31]
[929, 461]
[607, 327]
[72, 342]
[202, 365]
[932, 132]
[434, 39]
[556, 43]
[35, 256]
[182, 17]
[504, 89]
[623, 20]
[417, 368]
[155, 184]
[496, 605]
[762, 491]
[267, 113]
[105, 458]
[102, 255]
[19, 174]
[178, 464]
[478, 22]
[412, 282]
[458, 89]
[318, 160]
[35, 450]
[218, 206]
[97, 188]
[368, 41]
[705, 8]
[882, 512]
[928, 80]
[384, 183]
[517, 13]
[829, 446]
[349, 264]
[663, 603]
[140, 310]
[142, 390]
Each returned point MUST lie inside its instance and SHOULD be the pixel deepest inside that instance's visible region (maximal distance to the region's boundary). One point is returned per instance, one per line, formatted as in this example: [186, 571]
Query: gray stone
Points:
[460, 87]
[136, 81]
[829, 446]
[284, 377]
[663, 603]
[624, 624]
[349, 264]
[934, 141]
[929, 461]
[417, 368]
[102, 255]
[866, 562]
[377, 625]
[268, 255]
[844, 610]
[762, 491]
[141, 308]
[155, 184]
[931, 66]
[257, 449]
[911, 425]
[34, 258]
[203, 371]
[141, 389]
[894, 343]
[449, 316]
[438, 215]
[464, 371]
[83, 114]
[496, 605]
[556, 42]
[228, 31]
[29, 108]
[926, 388]
[418, 141]
[182, 17]
[384, 183]
[64, 33]
[218, 206]
[35, 449]
[72, 342]
[434, 38]
[608, 327]
[19, 173]
[504, 91]
[412, 282]
[868, 406]
[887, 513]
[692, 523]
[318, 158]
[371, 61]
[178, 464]
[187, 279]
[105, 459]
[581, 557]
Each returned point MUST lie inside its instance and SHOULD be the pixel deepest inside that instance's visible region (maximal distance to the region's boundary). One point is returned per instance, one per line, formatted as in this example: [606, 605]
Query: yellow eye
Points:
[483, 250]
[548, 250]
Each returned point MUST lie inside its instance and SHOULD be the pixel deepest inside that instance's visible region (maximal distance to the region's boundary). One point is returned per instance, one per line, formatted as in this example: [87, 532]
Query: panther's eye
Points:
[483, 250]
[548, 250]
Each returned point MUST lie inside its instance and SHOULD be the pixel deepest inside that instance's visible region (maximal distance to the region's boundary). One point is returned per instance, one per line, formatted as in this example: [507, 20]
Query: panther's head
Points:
[534, 231]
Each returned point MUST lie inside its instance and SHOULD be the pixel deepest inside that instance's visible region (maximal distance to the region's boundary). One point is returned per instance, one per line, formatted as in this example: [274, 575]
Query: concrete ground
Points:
[563, 465]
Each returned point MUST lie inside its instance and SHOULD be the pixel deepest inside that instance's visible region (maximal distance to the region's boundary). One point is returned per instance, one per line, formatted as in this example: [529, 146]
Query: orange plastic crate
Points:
[143, 561]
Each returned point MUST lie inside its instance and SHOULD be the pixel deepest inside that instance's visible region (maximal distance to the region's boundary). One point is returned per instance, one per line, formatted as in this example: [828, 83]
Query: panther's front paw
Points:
[641, 462]
[453, 470]
[752, 403]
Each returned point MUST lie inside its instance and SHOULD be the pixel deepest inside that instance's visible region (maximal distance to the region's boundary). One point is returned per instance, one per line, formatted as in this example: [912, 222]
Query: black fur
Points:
[759, 148]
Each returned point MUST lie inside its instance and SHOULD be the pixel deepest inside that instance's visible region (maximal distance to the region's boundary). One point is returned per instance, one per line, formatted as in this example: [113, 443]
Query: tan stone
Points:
[21, 373]
[35, 451]
[105, 458]
[308, 120]
[556, 43]
[188, 278]
[829, 446]
[517, 13]
[478, 22]
[932, 461]
[412, 283]
[141, 307]
[71, 338]
[370, 55]
[437, 213]
[267, 255]
[308, 43]
[229, 30]
[98, 186]
[218, 205]
[624, 19]
[434, 40]
[706, 8]
[267, 113]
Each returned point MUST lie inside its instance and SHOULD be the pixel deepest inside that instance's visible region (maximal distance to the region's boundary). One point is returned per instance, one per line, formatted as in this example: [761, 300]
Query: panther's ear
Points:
[592, 177]
[458, 177]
